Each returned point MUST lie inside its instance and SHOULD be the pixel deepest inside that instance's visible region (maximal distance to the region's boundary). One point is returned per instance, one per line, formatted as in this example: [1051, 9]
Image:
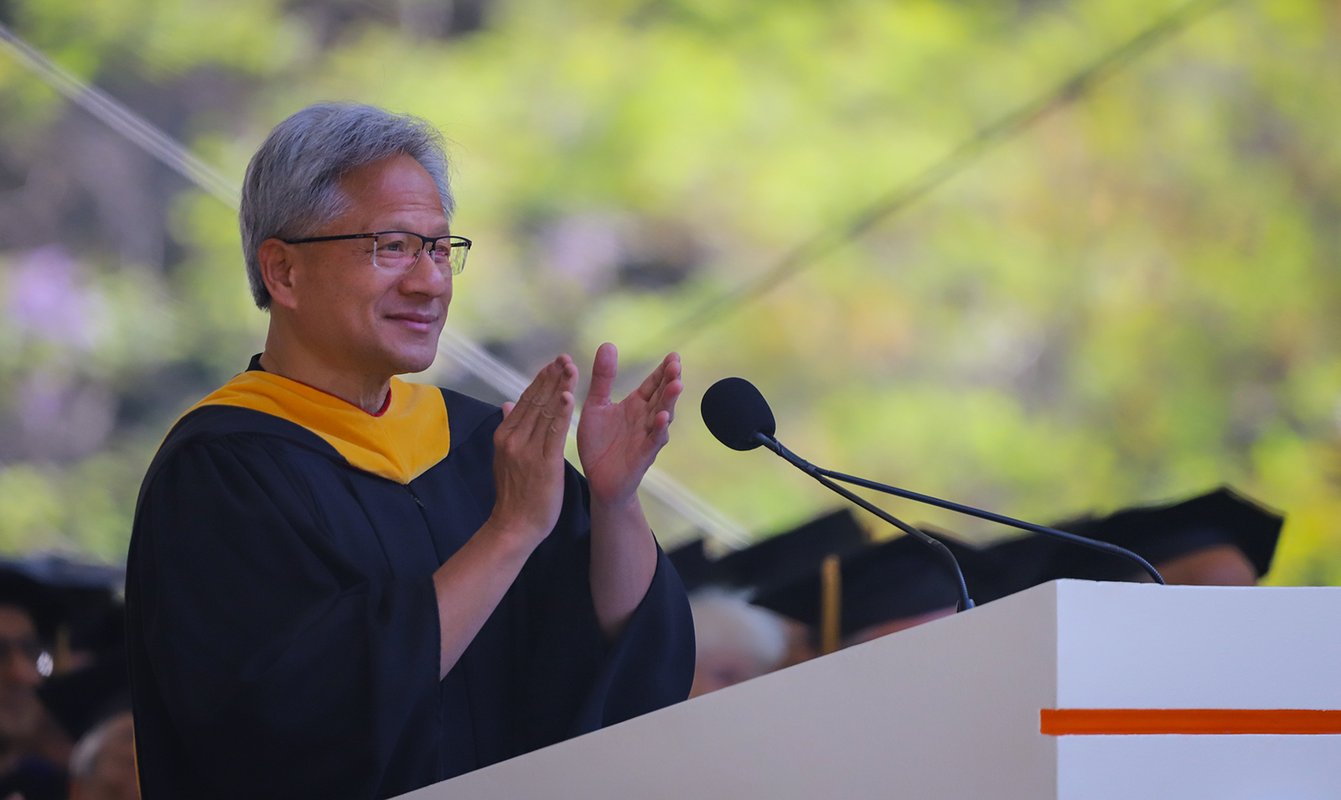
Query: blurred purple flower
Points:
[585, 249]
[62, 417]
[47, 301]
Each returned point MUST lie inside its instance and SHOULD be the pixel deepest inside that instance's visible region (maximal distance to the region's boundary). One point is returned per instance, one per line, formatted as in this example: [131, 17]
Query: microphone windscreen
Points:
[735, 411]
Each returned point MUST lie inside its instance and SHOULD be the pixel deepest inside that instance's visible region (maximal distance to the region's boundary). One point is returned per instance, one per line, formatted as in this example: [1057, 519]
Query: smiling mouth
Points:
[413, 318]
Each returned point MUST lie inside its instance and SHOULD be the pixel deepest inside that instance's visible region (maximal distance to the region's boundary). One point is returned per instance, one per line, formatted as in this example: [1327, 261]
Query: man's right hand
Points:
[528, 454]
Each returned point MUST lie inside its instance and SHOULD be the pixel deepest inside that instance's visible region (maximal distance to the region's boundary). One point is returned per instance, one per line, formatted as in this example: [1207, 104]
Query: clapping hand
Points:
[617, 442]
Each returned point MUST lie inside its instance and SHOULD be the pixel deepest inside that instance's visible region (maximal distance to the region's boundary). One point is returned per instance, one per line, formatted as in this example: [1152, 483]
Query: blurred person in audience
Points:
[28, 615]
[883, 588]
[1218, 538]
[98, 685]
[342, 584]
[728, 586]
[102, 766]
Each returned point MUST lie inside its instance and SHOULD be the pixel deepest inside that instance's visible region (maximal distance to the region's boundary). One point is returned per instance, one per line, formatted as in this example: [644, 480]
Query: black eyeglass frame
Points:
[425, 243]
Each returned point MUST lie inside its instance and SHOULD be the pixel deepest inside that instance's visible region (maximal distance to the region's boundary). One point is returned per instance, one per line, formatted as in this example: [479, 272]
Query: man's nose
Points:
[427, 276]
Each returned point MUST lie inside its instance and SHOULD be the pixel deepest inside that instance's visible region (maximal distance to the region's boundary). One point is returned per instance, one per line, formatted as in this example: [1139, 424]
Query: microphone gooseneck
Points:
[739, 416]
[742, 424]
[965, 602]
[1075, 538]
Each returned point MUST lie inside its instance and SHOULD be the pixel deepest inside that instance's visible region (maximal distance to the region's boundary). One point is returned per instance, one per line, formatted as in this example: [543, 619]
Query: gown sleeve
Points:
[564, 676]
[577, 680]
[270, 666]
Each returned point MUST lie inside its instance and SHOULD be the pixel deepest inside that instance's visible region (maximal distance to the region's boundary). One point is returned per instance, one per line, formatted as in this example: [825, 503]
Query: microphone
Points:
[739, 416]
[742, 420]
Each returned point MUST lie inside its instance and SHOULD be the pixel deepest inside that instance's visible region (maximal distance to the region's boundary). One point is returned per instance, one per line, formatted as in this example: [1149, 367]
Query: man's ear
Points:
[277, 272]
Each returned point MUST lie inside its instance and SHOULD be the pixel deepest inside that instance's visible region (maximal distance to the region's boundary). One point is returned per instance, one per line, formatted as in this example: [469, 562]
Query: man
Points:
[344, 585]
[27, 610]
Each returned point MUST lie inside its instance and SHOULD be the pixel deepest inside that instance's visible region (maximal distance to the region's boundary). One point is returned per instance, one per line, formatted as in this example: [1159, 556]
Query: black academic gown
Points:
[283, 628]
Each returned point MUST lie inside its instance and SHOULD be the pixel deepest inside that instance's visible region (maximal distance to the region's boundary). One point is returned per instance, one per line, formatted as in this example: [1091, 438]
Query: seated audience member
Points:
[95, 683]
[1220, 538]
[774, 560]
[102, 766]
[786, 555]
[884, 588]
[28, 612]
[736, 641]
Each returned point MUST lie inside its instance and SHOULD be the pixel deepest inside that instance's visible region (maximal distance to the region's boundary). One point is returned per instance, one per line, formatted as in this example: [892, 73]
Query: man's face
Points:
[20, 710]
[360, 319]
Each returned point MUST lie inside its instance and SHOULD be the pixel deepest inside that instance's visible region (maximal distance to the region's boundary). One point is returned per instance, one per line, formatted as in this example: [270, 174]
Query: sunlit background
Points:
[1048, 257]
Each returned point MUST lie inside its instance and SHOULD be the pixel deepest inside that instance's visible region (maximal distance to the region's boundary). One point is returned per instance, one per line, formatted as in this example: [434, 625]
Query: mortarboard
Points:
[1163, 532]
[691, 561]
[89, 619]
[1156, 533]
[891, 580]
[1017, 563]
[786, 556]
[84, 597]
[41, 603]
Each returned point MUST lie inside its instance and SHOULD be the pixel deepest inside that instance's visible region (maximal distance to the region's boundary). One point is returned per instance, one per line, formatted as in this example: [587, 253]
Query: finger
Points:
[657, 377]
[522, 416]
[556, 428]
[568, 373]
[660, 433]
[547, 408]
[603, 371]
[656, 437]
[668, 395]
[507, 408]
[663, 392]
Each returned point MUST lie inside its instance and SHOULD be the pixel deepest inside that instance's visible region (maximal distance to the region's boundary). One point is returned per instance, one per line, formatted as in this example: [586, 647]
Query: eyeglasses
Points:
[398, 251]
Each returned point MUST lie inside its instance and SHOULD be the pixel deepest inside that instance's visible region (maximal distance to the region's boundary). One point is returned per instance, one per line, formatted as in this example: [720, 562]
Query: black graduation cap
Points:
[1015, 564]
[784, 557]
[901, 577]
[83, 602]
[41, 603]
[1163, 532]
[83, 597]
[692, 563]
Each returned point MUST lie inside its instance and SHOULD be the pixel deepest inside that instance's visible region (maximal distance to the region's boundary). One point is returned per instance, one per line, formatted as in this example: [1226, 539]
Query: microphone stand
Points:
[965, 602]
[820, 474]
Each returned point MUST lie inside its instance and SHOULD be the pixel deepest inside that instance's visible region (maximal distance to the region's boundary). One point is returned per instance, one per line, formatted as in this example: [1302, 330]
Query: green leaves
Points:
[1131, 297]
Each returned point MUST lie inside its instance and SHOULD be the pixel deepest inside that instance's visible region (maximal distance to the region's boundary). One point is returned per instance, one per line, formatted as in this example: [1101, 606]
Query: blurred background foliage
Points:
[1129, 297]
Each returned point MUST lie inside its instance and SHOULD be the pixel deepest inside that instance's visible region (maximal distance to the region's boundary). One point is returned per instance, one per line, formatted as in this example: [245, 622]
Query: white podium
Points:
[1073, 689]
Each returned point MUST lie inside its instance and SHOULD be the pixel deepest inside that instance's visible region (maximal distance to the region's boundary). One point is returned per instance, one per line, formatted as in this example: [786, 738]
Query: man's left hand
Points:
[617, 442]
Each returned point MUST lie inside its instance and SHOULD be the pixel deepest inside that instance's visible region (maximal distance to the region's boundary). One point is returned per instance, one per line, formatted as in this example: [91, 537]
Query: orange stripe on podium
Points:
[1216, 721]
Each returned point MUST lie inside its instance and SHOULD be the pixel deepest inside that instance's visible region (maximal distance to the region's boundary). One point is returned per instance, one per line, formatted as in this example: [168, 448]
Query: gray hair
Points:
[292, 186]
[726, 621]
